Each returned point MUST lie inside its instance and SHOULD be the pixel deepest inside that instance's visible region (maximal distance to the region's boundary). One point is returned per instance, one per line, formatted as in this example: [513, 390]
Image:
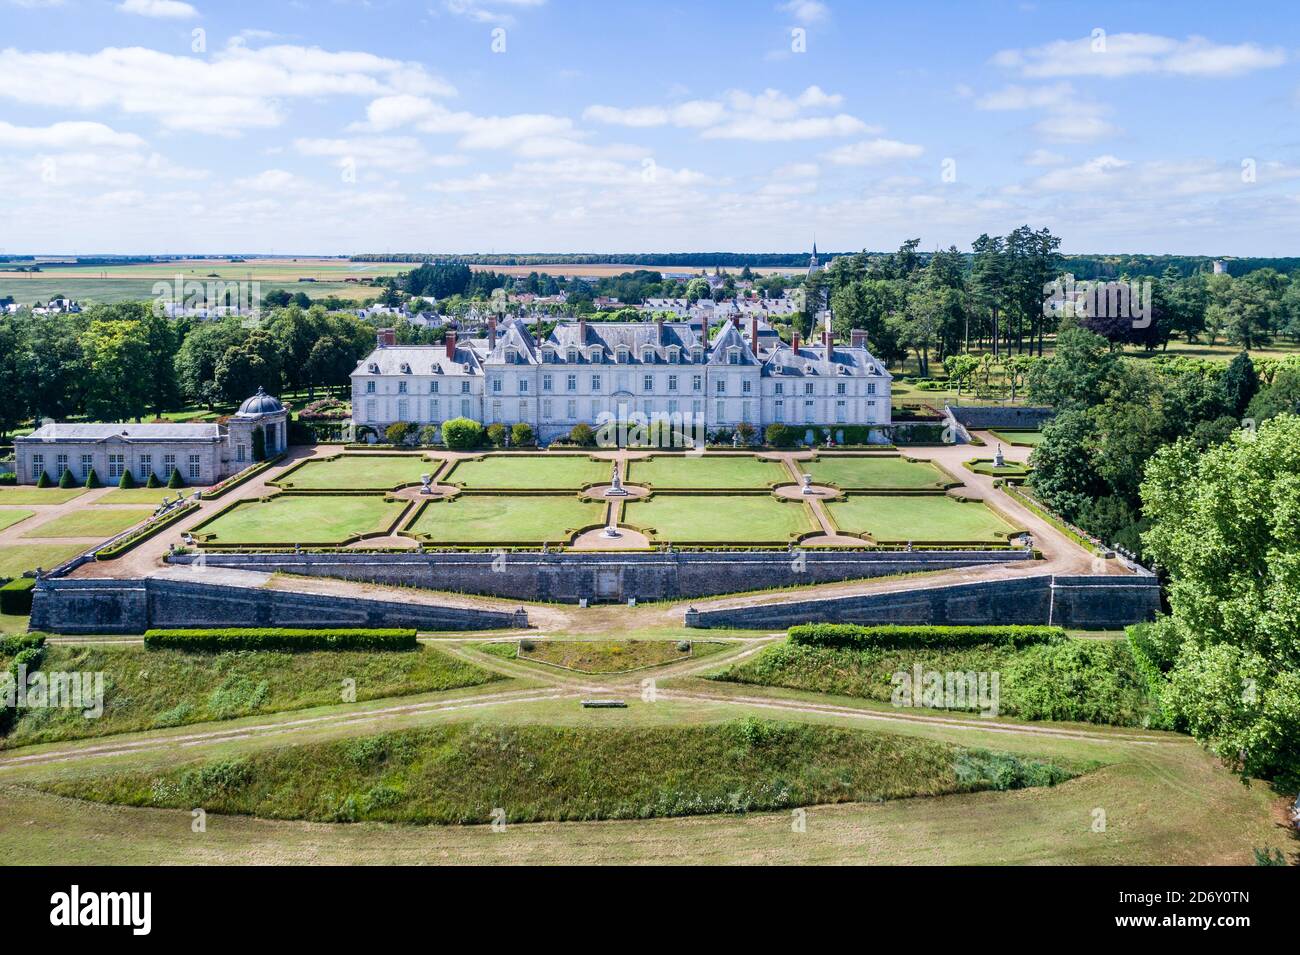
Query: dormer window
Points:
[674, 355]
[511, 356]
[373, 368]
[733, 356]
[697, 354]
[647, 354]
[573, 354]
[622, 356]
[406, 368]
[595, 354]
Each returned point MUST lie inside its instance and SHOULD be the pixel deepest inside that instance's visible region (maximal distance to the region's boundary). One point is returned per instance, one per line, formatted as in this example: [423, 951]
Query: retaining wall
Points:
[1104, 602]
[570, 577]
[74, 606]
[982, 418]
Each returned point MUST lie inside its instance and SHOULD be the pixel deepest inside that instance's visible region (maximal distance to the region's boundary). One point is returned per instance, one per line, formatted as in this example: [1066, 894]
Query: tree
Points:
[1239, 383]
[1224, 529]
[1077, 375]
[1282, 396]
[246, 367]
[960, 368]
[119, 369]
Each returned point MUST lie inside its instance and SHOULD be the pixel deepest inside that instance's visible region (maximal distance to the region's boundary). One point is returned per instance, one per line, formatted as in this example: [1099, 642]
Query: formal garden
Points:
[919, 518]
[721, 519]
[484, 519]
[309, 519]
[358, 472]
[876, 473]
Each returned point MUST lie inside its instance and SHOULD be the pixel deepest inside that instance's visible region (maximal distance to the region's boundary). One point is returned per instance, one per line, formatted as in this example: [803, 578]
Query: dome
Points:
[260, 404]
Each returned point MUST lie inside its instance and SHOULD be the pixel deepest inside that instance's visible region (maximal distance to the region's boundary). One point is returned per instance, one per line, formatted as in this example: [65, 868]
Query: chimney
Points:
[858, 338]
[826, 342]
[735, 320]
[386, 337]
[492, 333]
[451, 343]
[753, 333]
[795, 344]
[659, 330]
[582, 331]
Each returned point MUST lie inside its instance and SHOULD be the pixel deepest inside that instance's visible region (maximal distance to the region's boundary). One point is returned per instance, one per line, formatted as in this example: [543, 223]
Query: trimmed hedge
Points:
[272, 638]
[16, 596]
[851, 636]
[18, 642]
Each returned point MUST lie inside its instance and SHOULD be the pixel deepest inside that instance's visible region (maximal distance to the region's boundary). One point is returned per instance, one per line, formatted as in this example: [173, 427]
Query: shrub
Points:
[462, 434]
[43, 480]
[582, 435]
[92, 479]
[270, 638]
[854, 637]
[496, 434]
[153, 481]
[126, 481]
[66, 481]
[399, 432]
[175, 480]
[746, 431]
[16, 596]
[18, 642]
[521, 435]
[781, 436]
[8, 477]
[429, 435]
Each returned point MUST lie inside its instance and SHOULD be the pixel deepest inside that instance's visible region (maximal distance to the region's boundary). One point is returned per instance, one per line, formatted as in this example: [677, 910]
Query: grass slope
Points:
[290, 519]
[360, 472]
[931, 517]
[539, 472]
[156, 688]
[604, 656]
[708, 471]
[491, 518]
[91, 522]
[141, 495]
[464, 772]
[722, 518]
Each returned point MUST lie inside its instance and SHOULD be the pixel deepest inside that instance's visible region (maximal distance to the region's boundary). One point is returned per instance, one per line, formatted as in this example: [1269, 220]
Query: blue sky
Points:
[563, 125]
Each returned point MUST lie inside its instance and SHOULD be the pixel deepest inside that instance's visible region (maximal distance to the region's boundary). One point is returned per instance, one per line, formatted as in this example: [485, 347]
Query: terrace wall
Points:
[74, 606]
[980, 418]
[570, 577]
[1103, 602]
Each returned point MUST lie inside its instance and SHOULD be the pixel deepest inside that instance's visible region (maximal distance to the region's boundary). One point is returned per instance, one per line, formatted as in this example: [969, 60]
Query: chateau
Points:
[586, 372]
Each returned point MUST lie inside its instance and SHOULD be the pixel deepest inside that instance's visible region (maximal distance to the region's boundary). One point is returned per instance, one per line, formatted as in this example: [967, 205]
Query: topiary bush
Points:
[92, 479]
[521, 435]
[126, 481]
[153, 481]
[400, 432]
[8, 477]
[462, 434]
[66, 481]
[582, 435]
[43, 480]
[781, 436]
[496, 434]
[175, 480]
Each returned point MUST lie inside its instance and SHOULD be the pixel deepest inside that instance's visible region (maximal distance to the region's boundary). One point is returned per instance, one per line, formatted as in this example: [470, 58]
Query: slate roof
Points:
[127, 432]
[422, 360]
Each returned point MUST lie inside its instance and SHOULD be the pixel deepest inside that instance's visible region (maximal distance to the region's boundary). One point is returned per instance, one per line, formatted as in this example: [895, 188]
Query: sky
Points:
[335, 127]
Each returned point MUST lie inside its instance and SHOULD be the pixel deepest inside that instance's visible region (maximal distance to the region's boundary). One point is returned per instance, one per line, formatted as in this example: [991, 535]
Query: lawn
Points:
[30, 494]
[538, 472]
[728, 472]
[359, 472]
[10, 517]
[720, 518]
[460, 773]
[875, 473]
[91, 522]
[1011, 470]
[17, 559]
[605, 656]
[142, 495]
[935, 518]
[1027, 439]
[505, 518]
[147, 689]
[301, 519]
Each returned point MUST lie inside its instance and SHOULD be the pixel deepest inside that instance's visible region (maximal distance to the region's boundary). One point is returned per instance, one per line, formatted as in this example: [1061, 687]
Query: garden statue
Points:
[616, 488]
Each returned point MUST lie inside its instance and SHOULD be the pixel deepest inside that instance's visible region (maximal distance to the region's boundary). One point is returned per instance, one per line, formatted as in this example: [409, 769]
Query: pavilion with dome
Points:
[203, 454]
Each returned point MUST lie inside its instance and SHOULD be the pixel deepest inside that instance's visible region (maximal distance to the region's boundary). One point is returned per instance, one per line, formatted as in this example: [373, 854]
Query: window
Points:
[840, 411]
[240, 452]
[116, 464]
[572, 383]
[780, 410]
[466, 407]
[733, 356]
[434, 409]
[746, 387]
[573, 354]
[697, 354]
[511, 356]
[496, 384]
[370, 387]
[169, 465]
[546, 408]
[401, 387]
[720, 386]
[841, 388]
[496, 411]
[146, 466]
[672, 406]
[523, 409]
[807, 387]
[546, 382]
[722, 412]
[871, 387]
[780, 387]
[464, 387]
[622, 356]
[571, 409]
[697, 407]
[673, 356]
[523, 386]
[697, 383]
[648, 383]
[87, 464]
[38, 466]
[371, 411]
[403, 410]
[595, 382]
[433, 387]
[194, 469]
[672, 382]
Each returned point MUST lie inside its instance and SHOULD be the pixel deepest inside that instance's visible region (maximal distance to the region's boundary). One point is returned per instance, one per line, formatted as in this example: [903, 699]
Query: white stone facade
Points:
[584, 371]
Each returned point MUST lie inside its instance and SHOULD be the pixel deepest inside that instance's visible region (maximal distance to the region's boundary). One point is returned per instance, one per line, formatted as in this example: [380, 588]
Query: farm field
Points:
[720, 518]
[359, 472]
[540, 472]
[929, 517]
[91, 522]
[505, 518]
[729, 472]
[875, 473]
[301, 519]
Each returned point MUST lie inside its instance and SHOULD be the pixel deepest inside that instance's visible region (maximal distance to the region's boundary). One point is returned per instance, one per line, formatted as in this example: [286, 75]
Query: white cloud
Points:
[1044, 157]
[806, 11]
[476, 11]
[66, 136]
[475, 132]
[272, 180]
[236, 89]
[162, 9]
[1129, 54]
[1070, 117]
[382, 152]
[1095, 174]
[768, 116]
[1027, 97]
[1081, 125]
[873, 151]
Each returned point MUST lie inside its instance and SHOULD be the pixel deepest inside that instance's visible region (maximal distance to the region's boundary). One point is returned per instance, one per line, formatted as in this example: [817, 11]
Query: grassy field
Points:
[360, 472]
[604, 656]
[928, 517]
[291, 519]
[1079, 681]
[147, 689]
[720, 518]
[30, 494]
[17, 559]
[505, 519]
[142, 495]
[518, 472]
[875, 473]
[464, 773]
[91, 522]
[11, 516]
[729, 472]
[1027, 439]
